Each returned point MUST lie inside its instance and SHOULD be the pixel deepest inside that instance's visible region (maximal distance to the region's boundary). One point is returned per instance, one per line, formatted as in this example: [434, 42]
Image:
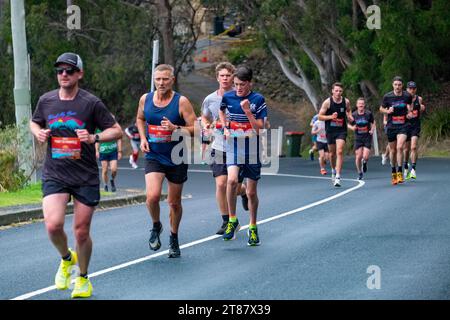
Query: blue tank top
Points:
[159, 139]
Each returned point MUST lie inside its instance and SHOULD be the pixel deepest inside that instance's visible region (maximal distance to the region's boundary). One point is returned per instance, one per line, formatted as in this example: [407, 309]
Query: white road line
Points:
[200, 241]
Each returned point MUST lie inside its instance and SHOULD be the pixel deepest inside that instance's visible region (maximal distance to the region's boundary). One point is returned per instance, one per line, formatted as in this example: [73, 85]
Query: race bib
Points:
[66, 148]
[157, 134]
[364, 129]
[337, 122]
[241, 129]
[398, 120]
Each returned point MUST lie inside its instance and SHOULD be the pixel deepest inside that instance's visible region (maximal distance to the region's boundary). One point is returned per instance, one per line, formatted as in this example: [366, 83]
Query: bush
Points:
[436, 125]
[11, 176]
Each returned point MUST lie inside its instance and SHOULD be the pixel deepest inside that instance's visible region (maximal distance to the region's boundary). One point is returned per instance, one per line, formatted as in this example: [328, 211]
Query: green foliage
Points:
[436, 125]
[11, 177]
[114, 43]
[29, 195]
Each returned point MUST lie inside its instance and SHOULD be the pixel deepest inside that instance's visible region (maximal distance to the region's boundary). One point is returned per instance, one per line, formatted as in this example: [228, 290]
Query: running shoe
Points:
[62, 277]
[337, 182]
[413, 174]
[323, 171]
[155, 242]
[244, 200]
[406, 174]
[232, 229]
[400, 177]
[333, 175]
[394, 179]
[360, 176]
[311, 155]
[133, 163]
[253, 238]
[383, 159]
[222, 228]
[174, 247]
[364, 166]
[82, 288]
[106, 188]
[113, 186]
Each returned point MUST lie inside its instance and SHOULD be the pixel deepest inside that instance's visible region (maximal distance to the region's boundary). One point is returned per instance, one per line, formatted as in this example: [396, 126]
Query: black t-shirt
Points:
[363, 123]
[67, 160]
[416, 113]
[398, 117]
[340, 123]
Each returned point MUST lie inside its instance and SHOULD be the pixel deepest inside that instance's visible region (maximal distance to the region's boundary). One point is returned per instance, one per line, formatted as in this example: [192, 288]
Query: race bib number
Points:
[66, 148]
[158, 134]
[398, 120]
[337, 122]
[241, 130]
[364, 129]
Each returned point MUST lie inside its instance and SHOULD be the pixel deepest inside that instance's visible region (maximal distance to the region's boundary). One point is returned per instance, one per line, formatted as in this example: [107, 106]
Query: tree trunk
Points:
[300, 81]
[164, 11]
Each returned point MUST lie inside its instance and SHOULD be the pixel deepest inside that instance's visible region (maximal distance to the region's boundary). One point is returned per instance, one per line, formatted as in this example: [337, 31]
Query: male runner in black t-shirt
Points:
[397, 105]
[418, 108]
[66, 118]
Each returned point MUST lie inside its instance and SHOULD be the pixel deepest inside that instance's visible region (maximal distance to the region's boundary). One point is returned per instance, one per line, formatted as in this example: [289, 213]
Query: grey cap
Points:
[71, 59]
[411, 84]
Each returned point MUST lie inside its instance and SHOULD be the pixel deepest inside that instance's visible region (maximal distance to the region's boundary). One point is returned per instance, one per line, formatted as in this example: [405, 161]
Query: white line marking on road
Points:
[200, 241]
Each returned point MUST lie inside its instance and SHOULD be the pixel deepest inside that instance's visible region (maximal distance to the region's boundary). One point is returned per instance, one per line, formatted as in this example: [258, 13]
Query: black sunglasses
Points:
[70, 71]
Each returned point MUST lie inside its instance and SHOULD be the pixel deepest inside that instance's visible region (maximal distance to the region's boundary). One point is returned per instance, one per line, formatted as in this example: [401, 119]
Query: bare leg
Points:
[153, 182]
[82, 224]
[252, 194]
[232, 187]
[174, 201]
[54, 207]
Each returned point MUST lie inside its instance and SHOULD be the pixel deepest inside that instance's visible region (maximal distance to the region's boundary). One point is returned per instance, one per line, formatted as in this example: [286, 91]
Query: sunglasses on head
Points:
[70, 71]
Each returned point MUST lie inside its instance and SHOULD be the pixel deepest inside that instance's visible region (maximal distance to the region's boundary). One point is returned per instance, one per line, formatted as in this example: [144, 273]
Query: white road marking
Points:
[200, 241]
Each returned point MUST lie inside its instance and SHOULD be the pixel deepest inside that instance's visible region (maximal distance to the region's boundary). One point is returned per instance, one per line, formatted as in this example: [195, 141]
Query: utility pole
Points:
[22, 96]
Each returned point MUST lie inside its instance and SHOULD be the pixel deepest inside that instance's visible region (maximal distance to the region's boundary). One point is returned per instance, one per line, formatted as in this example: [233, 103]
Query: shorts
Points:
[108, 156]
[220, 169]
[88, 195]
[322, 146]
[175, 174]
[333, 136]
[392, 132]
[314, 138]
[250, 171]
[365, 142]
[414, 131]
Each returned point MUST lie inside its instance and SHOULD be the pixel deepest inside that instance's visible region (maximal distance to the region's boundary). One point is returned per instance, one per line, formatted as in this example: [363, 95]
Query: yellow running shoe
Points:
[400, 177]
[394, 179]
[82, 289]
[62, 277]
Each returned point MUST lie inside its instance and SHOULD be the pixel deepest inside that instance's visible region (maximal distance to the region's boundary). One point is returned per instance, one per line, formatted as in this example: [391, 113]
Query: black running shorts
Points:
[392, 132]
[365, 142]
[88, 195]
[333, 136]
[175, 174]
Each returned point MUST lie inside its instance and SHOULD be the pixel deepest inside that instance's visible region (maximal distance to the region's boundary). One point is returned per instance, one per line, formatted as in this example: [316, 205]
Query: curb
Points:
[20, 215]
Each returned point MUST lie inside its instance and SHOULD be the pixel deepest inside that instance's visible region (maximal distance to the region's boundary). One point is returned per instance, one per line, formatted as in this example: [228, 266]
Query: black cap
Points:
[71, 59]
[411, 84]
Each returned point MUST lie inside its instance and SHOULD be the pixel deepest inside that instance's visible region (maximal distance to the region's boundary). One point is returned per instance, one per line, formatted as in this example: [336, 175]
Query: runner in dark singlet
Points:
[335, 111]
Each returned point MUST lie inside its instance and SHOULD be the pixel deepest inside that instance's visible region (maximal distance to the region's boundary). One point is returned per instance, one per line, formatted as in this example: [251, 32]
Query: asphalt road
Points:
[321, 248]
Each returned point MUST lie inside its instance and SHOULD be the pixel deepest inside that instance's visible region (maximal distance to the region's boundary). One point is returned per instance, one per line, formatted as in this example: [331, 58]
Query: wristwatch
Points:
[97, 138]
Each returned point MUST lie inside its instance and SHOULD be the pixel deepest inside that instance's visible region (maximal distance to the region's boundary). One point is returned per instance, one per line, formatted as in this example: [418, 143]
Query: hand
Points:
[409, 115]
[226, 132]
[84, 136]
[97, 155]
[167, 125]
[390, 110]
[245, 105]
[43, 135]
[334, 116]
[119, 155]
[144, 146]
